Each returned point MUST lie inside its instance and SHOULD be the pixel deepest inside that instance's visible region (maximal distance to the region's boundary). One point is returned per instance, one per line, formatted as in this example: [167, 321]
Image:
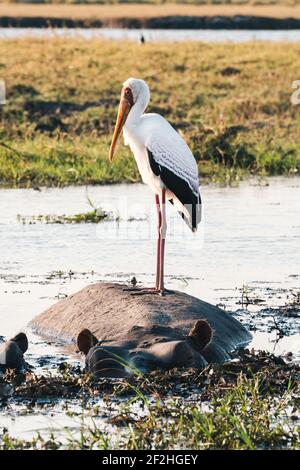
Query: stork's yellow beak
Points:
[124, 108]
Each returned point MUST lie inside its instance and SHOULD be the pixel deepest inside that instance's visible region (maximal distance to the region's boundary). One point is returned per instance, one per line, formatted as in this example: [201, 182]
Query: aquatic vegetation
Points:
[248, 404]
[56, 132]
[241, 419]
[95, 216]
[91, 217]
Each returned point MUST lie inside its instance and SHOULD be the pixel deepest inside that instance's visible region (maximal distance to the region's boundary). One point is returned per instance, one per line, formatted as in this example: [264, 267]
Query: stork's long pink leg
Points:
[156, 289]
[163, 231]
[159, 221]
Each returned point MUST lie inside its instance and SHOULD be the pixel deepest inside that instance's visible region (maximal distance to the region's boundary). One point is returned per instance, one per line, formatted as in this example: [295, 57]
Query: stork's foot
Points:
[131, 289]
[147, 290]
[152, 290]
[139, 289]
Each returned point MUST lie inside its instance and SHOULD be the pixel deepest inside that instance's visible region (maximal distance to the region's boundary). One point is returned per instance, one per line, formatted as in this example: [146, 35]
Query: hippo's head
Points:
[115, 361]
[11, 352]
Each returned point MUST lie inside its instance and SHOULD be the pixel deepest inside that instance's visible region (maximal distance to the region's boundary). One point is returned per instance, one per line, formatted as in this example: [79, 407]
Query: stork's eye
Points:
[128, 95]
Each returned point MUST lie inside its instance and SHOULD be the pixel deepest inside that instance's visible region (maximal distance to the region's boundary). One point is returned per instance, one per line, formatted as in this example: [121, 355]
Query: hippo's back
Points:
[116, 316]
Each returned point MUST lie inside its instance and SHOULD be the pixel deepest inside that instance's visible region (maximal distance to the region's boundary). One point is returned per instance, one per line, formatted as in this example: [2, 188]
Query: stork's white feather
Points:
[170, 150]
[143, 132]
[151, 131]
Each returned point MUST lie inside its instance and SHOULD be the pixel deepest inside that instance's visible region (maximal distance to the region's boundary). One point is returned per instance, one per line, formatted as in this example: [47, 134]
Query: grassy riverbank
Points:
[230, 101]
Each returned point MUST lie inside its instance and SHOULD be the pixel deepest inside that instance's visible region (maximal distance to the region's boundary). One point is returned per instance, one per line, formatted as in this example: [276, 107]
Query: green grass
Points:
[244, 417]
[241, 419]
[231, 102]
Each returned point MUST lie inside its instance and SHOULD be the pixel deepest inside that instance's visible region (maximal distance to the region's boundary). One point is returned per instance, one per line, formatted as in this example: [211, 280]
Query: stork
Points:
[165, 163]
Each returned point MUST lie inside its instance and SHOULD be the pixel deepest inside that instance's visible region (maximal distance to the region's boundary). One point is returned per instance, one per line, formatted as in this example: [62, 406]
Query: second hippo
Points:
[12, 351]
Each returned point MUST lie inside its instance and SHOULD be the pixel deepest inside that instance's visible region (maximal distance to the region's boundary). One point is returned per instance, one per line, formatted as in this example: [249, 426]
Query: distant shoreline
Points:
[167, 16]
[167, 22]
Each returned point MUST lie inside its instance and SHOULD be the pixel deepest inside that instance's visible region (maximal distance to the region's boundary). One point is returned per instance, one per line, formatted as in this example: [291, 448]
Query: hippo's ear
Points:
[201, 334]
[22, 341]
[86, 340]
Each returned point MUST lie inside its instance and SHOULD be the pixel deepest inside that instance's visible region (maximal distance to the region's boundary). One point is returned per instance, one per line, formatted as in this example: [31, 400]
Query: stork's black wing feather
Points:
[181, 190]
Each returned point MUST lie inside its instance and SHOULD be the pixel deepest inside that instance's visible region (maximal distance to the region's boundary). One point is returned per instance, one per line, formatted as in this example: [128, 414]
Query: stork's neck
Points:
[137, 110]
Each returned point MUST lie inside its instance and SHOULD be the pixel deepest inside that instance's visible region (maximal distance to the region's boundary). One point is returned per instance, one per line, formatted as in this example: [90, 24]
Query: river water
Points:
[249, 236]
[206, 35]
[247, 246]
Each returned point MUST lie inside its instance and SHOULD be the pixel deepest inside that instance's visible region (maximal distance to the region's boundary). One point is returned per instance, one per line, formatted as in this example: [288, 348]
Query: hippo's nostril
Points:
[160, 339]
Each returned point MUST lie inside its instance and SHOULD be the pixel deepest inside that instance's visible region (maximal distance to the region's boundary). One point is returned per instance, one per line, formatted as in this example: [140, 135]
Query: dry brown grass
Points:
[145, 11]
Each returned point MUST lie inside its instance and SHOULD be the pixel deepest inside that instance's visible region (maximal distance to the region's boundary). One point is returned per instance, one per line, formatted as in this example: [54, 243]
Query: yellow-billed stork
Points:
[164, 160]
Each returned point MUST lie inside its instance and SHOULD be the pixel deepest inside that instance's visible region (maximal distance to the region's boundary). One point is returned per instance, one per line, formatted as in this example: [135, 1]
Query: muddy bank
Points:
[213, 380]
[261, 391]
[241, 22]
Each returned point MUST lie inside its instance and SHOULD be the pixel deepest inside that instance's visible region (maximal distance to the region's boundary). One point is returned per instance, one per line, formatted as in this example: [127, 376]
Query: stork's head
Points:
[134, 91]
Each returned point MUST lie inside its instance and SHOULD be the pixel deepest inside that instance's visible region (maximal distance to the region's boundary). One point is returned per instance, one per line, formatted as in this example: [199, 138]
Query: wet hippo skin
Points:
[119, 332]
[118, 361]
[11, 353]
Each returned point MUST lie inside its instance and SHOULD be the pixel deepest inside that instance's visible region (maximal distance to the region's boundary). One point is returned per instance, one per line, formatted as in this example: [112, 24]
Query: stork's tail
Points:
[191, 213]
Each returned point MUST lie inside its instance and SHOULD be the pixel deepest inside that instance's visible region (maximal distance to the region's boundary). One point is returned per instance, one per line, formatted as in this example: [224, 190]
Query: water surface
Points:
[249, 235]
[170, 35]
[245, 257]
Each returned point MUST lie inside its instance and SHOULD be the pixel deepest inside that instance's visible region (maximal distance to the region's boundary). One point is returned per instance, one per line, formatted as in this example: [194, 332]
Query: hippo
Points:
[157, 353]
[120, 334]
[11, 353]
